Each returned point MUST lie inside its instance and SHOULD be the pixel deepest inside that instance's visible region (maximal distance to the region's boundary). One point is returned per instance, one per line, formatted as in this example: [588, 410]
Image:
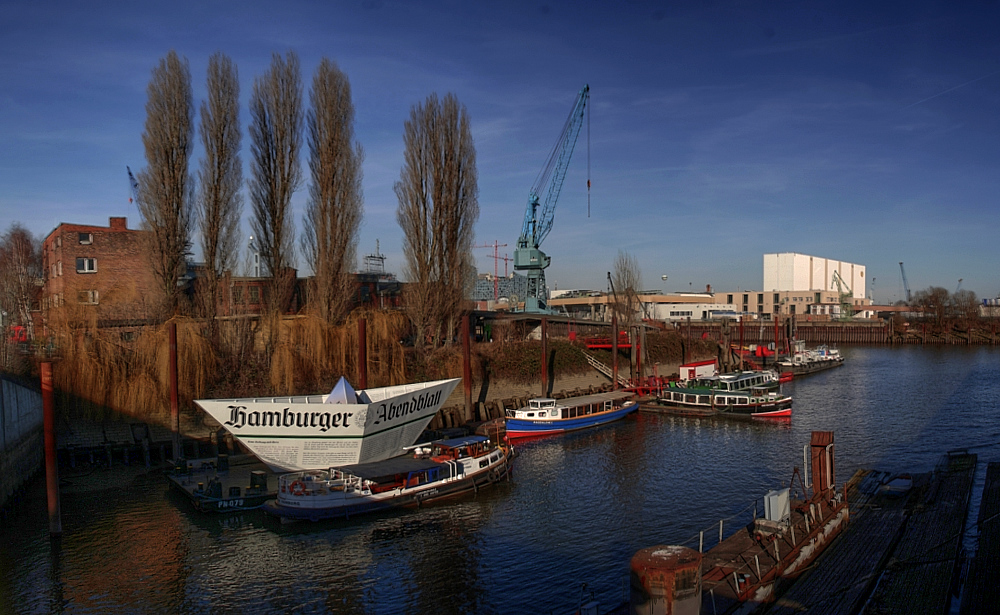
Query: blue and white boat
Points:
[544, 416]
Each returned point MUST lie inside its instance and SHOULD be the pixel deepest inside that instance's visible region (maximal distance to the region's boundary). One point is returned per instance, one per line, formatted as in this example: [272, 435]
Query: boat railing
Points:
[724, 528]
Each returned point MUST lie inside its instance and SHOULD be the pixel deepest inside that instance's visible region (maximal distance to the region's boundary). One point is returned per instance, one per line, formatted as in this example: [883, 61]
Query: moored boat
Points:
[546, 416]
[434, 471]
[801, 361]
[321, 431]
[706, 401]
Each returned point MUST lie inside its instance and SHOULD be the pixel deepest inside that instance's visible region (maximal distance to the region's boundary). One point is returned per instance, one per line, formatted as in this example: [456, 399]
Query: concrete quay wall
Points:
[20, 463]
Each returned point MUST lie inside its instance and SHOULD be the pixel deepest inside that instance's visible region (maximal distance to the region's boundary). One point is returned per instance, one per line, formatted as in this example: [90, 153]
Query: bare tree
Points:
[966, 305]
[275, 140]
[333, 215]
[20, 271]
[626, 278]
[164, 186]
[220, 177]
[438, 208]
[934, 301]
[627, 281]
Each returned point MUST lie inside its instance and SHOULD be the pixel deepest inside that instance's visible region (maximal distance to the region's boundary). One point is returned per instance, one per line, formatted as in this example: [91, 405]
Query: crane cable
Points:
[588, 162]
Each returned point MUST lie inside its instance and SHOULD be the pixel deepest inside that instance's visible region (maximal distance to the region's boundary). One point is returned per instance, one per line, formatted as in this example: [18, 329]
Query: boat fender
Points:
[297, 488]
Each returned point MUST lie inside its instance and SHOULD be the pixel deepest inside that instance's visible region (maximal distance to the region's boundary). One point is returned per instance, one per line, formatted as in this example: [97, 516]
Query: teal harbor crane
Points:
[539, 215]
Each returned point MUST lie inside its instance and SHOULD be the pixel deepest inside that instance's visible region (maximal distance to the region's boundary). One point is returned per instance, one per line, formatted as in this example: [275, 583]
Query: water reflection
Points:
[578, 507]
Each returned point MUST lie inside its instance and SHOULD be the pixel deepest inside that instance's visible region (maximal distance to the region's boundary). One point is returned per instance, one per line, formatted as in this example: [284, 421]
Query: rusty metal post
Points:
[638, 355]
[545, 357]
[362, 353]
[614, 352]
[51, 460]
[175, 415]
[467, 367]
[741, 342]
[776, 331]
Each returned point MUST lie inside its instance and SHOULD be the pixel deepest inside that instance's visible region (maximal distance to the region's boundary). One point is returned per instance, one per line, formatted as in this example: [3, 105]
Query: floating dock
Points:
[982, 589]
[901, 552]
[224, 484]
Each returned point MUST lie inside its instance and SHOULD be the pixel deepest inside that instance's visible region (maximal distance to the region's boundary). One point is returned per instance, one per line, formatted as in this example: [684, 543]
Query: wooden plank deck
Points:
[898, 554]
[982, 590]
[920, 577]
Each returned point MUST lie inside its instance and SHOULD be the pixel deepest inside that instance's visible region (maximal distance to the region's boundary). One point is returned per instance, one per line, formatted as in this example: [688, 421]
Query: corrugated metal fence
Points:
[20, 412]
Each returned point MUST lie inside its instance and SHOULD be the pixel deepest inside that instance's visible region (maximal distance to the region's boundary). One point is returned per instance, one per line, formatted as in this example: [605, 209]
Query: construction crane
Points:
[540, 213]
[846, 307]
[906, 286]
[134, 189]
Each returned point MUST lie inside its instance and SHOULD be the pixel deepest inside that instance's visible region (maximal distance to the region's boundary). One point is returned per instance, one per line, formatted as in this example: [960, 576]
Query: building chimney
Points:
[708, 288]
[119, 224]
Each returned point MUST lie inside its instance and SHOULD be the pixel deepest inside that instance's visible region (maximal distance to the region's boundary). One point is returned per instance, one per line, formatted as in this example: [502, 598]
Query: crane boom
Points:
[539, 215]
[134, 187]
[906, 286]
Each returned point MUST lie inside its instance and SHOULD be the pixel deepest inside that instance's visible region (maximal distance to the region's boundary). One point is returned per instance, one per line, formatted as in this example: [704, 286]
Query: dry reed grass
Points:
[99, 370]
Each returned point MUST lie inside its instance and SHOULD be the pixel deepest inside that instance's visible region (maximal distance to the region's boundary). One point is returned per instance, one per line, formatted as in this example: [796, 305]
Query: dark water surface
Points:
[578, 508]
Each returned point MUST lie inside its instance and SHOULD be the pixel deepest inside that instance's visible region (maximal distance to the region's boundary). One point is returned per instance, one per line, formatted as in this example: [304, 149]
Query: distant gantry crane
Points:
[539, 215]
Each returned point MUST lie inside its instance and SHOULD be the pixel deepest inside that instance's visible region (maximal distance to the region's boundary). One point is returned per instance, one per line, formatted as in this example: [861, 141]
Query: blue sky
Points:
[865, 132]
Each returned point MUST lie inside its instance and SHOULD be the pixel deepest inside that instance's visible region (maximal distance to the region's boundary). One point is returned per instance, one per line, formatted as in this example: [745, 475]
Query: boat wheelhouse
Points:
[738, 381]
[544, 416]
[433, 471]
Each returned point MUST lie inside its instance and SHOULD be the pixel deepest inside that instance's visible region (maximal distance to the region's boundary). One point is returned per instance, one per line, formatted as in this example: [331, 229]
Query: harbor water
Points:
[563, 529]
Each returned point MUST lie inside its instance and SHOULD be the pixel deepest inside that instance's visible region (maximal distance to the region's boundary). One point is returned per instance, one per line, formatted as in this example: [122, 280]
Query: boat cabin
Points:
[741, 381]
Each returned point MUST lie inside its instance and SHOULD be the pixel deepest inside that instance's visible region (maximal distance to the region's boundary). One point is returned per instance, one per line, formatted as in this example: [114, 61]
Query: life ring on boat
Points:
[297, 488]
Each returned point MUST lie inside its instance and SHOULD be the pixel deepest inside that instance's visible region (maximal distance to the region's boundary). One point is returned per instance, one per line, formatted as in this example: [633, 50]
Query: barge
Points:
[747, 569]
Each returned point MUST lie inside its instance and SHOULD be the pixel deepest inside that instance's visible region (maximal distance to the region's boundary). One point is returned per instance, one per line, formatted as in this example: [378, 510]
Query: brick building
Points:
[96, 268]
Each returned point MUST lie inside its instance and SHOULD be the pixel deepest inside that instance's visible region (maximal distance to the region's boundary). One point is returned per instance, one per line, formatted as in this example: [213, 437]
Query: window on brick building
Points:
[255, 294]
[59, 268]
[86, 296]
[86, 238]
[238, 295]
[86, 265]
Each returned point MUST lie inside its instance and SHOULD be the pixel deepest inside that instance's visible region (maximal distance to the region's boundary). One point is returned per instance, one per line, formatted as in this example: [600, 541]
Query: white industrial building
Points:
[679, 312]
[788, 271]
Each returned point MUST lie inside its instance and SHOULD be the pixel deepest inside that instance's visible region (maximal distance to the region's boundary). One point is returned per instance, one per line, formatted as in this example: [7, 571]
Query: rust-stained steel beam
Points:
[51, 460]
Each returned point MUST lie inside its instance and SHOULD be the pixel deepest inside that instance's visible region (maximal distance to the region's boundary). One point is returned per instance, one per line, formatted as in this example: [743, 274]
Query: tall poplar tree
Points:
[333, 214]
[438, 208]
[220, 178]
[275, 140]
[165, 188]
